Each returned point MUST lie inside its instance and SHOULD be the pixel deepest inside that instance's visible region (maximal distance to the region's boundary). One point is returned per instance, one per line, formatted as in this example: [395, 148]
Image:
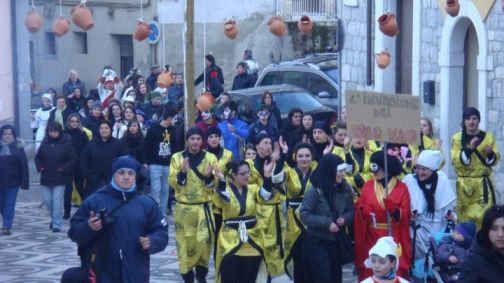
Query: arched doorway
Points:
[463, 64]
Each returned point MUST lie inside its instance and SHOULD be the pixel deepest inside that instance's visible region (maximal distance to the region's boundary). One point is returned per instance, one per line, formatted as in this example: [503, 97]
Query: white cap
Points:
[48, 96]
[430, 159]
[384, 246]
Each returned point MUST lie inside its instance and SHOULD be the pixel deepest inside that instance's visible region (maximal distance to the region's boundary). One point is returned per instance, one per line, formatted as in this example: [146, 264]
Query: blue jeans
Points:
[53, 200]
[159, 188]
[7, 204]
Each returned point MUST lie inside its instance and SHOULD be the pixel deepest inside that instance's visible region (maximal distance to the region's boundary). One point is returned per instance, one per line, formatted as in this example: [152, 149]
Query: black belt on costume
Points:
[294, 203]
[208, 216]
[249, 221]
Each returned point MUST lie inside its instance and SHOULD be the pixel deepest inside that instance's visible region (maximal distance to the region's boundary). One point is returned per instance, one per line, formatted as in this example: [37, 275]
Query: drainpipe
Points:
[15, 79]
[369, 26]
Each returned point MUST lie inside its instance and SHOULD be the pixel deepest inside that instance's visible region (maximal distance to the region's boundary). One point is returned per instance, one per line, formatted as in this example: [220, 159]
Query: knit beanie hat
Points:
[259, 137]
[467, 229]
[48, 96]
[212, 131]
[193, 131]
[322, 126]
[430, 159]
[125, 162]
[469, 111]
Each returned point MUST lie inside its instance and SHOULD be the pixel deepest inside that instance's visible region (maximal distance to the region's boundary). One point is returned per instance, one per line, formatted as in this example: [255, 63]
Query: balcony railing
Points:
[317, 10]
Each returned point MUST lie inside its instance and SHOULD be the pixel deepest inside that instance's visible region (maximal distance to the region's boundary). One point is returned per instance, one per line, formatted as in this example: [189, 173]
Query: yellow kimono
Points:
[194, 224]
[271, 221]
[295, 188]
[428, 143]
[362, 172]
[240, 210]
[374, 145]
[475, 185]
[340, 151]
[223, 158]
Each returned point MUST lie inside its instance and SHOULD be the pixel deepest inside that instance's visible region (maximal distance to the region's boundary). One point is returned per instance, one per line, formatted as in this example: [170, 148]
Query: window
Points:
[50, 43]
[294, 78]
[80, 42]
[319, 84]
[270, 79]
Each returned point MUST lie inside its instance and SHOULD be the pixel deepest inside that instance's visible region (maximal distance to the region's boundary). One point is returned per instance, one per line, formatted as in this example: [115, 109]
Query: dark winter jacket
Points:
[153, 112]
[316, 213]
[288, 134]
[65, 115]
[258, 127]
[69, 86]
[275, 117]
[96, 161]
[134, 146]
[159, 145]
[483, 263]
[214, 80]
[56, 160]
[75, 104]
[93, 124]
[242, 81]
[152, 80]
[447, 248]
[14, 167]
[117, 250]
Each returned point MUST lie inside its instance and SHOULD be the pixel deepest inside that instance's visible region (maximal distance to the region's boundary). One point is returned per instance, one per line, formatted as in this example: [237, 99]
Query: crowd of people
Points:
[263, 198]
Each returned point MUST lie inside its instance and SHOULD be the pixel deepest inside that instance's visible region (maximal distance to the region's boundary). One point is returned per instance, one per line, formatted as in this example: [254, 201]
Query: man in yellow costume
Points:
[474, 153]
[194, 183]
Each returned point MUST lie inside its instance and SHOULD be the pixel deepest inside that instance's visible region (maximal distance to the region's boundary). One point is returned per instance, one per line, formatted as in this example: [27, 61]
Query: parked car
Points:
[286, 97]
[317, 73]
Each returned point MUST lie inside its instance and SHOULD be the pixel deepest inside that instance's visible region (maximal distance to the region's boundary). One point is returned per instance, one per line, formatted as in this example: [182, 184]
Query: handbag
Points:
[346, 251]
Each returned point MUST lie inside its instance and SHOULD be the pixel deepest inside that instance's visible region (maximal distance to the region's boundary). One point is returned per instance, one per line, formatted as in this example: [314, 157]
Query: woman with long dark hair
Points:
[13, 174]
[240, 250]
[297, 182]
[326, 210]
[55, 161]
[275, 119]
[305, 133]
[485, 261]
[115, 116]
[79, 137]
[133, 141]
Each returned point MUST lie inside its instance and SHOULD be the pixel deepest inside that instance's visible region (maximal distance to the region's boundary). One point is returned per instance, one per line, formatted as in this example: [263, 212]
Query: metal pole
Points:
[339, 29]
[389, 226]
[189, 64]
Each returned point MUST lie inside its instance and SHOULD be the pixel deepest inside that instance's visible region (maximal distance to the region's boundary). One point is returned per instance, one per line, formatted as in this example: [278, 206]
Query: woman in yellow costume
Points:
[342, 147]
[192, 179]
[362, 173]
[213, 138]
[240, 255]
[474, 153]
[297, 181]
[269, 215]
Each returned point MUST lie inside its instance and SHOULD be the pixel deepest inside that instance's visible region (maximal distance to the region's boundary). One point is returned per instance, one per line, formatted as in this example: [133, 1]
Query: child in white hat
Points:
[384, 261]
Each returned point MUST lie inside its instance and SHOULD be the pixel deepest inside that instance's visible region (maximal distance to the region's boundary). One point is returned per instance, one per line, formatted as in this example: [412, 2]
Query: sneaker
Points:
[66, 216]
[56, 230]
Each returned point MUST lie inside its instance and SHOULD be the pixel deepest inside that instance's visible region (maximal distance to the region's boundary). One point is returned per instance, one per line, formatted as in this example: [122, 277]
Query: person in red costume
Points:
[370, 221]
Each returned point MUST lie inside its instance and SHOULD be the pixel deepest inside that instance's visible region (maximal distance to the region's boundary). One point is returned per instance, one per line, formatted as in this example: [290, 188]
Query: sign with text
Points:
[383, 117]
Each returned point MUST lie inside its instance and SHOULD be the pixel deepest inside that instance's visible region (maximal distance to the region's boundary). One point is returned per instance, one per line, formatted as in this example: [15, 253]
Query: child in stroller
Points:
[452, 250]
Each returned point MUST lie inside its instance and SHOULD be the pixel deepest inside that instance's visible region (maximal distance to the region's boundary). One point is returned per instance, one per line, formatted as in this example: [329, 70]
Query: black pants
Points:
[302, 271]
[241, 269]
[323, 258]
[218, 225]
[67, 197]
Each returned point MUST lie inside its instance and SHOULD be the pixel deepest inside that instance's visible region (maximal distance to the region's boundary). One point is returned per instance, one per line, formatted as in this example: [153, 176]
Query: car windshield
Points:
[333, 74]
[285, 101]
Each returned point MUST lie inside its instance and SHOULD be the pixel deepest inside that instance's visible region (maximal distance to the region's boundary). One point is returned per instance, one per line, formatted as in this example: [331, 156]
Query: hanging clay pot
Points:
[82, 17]
[276, 26]
[33, 21]
[205, 101]
[383, 59]
[388, 24]
[165, 79]
[452, 7]
[61, 26]
[305, 25]
[142, 30]
[230, 29]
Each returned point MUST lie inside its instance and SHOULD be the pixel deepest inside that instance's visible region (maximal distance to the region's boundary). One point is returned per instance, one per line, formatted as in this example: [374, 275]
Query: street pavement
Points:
[34, 254]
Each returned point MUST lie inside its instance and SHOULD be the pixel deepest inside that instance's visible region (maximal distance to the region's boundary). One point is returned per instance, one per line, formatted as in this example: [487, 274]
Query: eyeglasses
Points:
[263, 113]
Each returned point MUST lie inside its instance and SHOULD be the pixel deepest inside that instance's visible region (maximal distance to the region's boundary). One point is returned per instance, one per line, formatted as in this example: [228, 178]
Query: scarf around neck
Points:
[58, 116]
[6, 148]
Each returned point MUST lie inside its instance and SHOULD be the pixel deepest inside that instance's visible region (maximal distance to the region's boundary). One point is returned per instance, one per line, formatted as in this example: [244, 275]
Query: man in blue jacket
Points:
[117, 229]
[234, 131]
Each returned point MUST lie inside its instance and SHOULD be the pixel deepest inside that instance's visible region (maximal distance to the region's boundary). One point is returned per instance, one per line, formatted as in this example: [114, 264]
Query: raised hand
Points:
[329, 147]
[346, 144]
[208, 170]
[218, 173]
[268, 168]
[276, 152]
[185, 165]
[283, 145]
[473, 142]
[438, 145]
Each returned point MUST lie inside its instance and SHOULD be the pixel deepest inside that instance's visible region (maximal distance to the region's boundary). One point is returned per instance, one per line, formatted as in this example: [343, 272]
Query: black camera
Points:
[106, 218]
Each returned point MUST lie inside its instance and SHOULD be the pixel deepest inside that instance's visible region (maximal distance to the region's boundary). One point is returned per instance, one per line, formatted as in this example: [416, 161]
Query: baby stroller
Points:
[426, 269]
